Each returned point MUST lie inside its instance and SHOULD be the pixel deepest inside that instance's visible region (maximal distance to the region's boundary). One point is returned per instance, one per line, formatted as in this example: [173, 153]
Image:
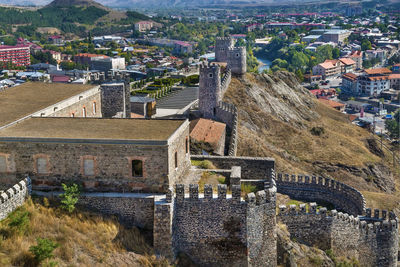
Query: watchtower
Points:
[209, 89]
[222, 46]
[237, 60]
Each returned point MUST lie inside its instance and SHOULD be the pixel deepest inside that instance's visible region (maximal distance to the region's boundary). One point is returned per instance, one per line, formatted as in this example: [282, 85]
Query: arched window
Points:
[94, 108]
[187, 145]
[84, 112]
[176, 160]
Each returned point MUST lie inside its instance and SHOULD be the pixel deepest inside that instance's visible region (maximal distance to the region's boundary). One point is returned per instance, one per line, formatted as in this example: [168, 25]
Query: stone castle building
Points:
[138, 170]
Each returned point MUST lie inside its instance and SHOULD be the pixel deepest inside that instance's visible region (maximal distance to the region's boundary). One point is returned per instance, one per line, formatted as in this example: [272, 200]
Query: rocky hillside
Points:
[281, 119]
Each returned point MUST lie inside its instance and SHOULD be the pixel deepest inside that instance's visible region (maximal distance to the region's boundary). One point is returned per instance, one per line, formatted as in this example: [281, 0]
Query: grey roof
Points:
[141, 99]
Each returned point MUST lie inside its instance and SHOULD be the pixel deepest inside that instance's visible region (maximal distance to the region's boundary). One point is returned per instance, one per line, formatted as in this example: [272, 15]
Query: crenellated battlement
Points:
[14, 197]
[322, 189]
[208, 64]
[258, 198]
[305, 221]
[226, 80]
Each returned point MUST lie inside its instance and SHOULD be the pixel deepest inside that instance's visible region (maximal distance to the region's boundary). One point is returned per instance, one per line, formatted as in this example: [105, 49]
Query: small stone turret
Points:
[209, 89]
[115, 97]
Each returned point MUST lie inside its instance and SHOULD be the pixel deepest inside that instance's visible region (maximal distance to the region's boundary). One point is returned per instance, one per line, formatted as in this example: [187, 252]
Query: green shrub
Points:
[19, 221]
[206, 164]
[221, 180]
[317, 131]
[70, 197]
[247, 188]
[43, 250]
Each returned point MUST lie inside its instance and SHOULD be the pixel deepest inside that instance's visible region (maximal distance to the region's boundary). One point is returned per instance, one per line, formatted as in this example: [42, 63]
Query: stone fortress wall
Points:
[14, 197]
[212, 88]
[218, 229]
[373, 241]
[323, 190]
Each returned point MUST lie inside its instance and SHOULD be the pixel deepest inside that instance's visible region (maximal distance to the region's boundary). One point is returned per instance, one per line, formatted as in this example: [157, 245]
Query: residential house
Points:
[328, 68]
[56, 39]
[373, 82]
[347, 65]
[395, 81]
[357, 57]
[86, 59]
[333, 104]
[349, 82]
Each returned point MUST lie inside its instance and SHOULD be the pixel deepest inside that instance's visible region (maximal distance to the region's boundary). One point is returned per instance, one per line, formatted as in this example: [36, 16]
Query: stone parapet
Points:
[14, 197]
[322, 189]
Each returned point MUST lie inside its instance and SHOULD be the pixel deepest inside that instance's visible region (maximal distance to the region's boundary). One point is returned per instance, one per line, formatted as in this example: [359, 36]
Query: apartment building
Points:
[17, 55]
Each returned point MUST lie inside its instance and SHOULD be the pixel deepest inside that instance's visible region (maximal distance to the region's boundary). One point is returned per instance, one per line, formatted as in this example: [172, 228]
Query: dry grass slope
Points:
[275, 120]
[85, 240]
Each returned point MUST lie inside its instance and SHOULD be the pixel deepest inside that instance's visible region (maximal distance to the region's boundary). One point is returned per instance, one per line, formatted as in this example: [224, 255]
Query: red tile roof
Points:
[350, 76]
[378, 71]
[347, 61]
[208, 131]
[394, 76]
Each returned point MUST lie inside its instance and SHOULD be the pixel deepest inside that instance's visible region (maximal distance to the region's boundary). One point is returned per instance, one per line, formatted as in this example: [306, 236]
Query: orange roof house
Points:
[332, 104]
[378, 71]
[347, 61]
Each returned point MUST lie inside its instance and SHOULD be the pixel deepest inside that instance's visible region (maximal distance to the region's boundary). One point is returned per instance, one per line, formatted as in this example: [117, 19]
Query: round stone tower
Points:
[237, 60]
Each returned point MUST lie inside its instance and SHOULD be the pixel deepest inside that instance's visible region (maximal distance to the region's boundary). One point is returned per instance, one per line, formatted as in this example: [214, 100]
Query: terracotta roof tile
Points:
[207, 131]
[347, 61]
[378, 71]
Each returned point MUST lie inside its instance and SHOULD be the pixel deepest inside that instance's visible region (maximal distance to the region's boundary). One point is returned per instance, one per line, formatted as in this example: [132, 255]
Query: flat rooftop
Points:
[23, 100]
[92, 129]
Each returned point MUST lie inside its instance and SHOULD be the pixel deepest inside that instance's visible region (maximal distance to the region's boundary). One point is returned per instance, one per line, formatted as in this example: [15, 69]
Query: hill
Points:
[70, 16]
[80, 3]
[281, 119]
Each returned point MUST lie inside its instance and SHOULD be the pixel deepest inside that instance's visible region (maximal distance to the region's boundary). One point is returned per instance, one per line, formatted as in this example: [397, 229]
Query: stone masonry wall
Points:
[14, 197]
[177, 144]
[131, 209]
[91, 104]
[226, 80]
[227, 113]
[373, 241]
[223, 230]
[322, 190]
[252, 167]
[211, 231]
[112, 165]
[261, 228]
[113, 99]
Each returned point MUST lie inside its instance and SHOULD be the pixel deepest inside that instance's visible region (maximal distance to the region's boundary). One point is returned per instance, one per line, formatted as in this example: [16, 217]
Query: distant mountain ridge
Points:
[82, 3]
